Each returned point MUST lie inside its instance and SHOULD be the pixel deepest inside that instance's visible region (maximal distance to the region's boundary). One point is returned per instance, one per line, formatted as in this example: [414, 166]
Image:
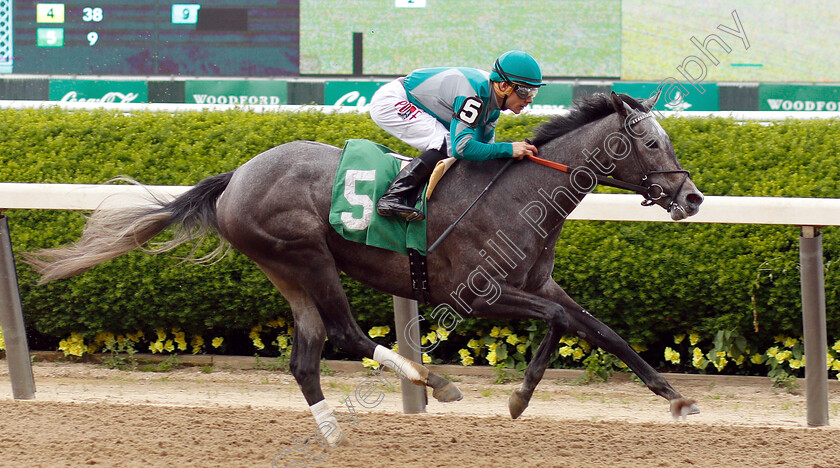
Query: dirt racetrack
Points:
[86, 414]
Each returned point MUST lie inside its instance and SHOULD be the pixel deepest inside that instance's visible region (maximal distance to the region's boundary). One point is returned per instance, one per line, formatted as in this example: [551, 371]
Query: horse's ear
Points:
[651, 101]
[618, 104]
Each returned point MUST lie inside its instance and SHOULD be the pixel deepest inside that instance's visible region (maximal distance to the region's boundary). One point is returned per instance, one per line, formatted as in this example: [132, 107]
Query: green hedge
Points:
[649, 281]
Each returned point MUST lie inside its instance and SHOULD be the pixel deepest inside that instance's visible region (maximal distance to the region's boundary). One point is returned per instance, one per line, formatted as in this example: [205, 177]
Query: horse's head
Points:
[649, 161]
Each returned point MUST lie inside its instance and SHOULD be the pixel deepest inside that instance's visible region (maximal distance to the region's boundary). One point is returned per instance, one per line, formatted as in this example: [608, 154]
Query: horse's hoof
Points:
[693, 409]
[516, 404]
[447, 393]
[682, 407]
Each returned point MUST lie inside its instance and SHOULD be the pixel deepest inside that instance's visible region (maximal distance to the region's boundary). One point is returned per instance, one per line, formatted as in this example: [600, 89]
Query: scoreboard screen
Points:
[152, 37]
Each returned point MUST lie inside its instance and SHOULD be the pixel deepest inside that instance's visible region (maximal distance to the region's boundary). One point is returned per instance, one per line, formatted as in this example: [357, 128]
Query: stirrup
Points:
[390, 208]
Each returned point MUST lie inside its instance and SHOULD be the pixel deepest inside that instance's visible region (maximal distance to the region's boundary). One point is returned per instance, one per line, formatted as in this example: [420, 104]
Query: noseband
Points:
[652, 192]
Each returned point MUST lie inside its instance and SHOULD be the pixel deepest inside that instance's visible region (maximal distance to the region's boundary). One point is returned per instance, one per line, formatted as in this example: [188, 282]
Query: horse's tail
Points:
[110, 233]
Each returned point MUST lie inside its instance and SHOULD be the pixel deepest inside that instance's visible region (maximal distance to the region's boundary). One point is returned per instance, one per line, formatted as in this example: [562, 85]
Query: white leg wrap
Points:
[327, 424]
[402, 366]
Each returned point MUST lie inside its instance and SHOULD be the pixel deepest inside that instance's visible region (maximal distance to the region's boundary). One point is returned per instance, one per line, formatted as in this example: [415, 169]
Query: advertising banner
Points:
[237, 92]
[775, 97]
[350, 93]
[99, 91]
[675, 96]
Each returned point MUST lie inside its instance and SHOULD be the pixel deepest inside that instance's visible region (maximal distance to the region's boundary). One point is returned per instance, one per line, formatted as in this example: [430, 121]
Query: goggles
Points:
[524, 92]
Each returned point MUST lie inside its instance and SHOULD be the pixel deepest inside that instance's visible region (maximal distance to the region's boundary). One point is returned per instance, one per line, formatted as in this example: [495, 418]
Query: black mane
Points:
[585, 110]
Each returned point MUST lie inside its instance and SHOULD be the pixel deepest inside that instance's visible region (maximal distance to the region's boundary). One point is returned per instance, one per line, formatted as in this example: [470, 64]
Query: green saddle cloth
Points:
[364, 173]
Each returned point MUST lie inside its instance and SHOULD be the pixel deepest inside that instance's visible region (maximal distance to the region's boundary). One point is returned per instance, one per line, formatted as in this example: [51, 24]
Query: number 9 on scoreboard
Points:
[185, 13]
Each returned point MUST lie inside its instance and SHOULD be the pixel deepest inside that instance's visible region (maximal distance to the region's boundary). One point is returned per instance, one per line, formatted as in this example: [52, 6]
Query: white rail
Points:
[596, 206]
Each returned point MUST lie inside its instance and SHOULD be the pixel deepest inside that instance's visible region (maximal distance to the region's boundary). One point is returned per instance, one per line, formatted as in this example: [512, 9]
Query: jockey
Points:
[452, 110]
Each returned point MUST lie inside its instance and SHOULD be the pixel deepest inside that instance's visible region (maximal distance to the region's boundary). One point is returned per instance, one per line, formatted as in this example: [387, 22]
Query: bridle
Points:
[652, 192]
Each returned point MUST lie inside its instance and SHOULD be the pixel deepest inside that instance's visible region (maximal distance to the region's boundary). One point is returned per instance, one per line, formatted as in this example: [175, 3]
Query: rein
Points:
[651, 192]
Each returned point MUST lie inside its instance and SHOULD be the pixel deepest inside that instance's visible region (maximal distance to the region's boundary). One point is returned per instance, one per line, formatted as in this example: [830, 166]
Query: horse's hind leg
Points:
[305, 360]
[319, 278]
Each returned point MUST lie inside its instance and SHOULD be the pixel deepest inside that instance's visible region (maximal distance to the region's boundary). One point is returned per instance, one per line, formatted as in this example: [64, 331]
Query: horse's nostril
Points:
[694, 199]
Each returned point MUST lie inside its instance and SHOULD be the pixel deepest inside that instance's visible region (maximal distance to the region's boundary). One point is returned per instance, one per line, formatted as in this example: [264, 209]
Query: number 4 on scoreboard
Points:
[49, 12]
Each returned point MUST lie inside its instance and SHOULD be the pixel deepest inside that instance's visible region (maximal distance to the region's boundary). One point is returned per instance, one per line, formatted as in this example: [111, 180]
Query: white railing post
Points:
[813, 325]
[408, 338]
[11, 320]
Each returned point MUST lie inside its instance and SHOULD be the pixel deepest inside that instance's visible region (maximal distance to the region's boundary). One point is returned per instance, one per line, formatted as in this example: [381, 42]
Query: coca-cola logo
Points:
[73, 96]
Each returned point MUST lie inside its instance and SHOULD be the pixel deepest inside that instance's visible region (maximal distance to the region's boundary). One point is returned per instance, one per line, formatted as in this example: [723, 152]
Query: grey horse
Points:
[497, 263]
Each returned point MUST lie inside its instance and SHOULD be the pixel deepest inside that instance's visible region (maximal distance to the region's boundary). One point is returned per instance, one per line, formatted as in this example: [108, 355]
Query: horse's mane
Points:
[585, 110]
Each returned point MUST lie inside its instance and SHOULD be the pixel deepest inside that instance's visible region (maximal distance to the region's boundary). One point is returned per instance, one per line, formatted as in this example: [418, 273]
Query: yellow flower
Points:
[74, 345]
[795, 363]
[367, 362]
[721, 363]
[258, 343]
[161, 334]
[505, 332]
[181, 340]
[697, 359]
[585, 345]
[512, 339]
[522, 348]
[791, 342]
[443, 334]
[836, 346]
[474, 344]
[835, 365]
[156, 347]
[395, 347]
[779, 338]
[2, 341]
[577, 354]
[467, 361]
[679, 338]
[276, 323]
[783, 356]
[566, 351]
[376, 332]
[426, 358]
[282, 342]
[464, 353]
[492, 358]
[197, 343]
[569, 340]
[217, 341]
[494, 332]
[492, 346]
[740, 360]
[772, 352]
[721, 354]
[169, 346]
[693, 338]
[671, 355]
[432, 337]
[757, 359]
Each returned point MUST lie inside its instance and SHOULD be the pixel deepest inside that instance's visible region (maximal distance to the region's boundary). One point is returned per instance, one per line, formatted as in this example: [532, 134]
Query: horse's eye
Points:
[652, 144]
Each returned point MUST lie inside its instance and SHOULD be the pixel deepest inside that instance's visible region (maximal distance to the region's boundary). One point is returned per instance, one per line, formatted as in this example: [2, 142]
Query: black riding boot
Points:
[406, 184]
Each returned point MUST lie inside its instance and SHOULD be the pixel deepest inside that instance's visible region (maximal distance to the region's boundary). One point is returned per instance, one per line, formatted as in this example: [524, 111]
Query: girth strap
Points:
[419, 276]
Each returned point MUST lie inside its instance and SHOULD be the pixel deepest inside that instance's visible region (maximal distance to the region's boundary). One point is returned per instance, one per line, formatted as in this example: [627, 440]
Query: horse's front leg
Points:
[586, 326]
[514, 303]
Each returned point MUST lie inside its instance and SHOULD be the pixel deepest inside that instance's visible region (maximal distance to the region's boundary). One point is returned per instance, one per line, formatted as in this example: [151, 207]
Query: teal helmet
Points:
[517, 66]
